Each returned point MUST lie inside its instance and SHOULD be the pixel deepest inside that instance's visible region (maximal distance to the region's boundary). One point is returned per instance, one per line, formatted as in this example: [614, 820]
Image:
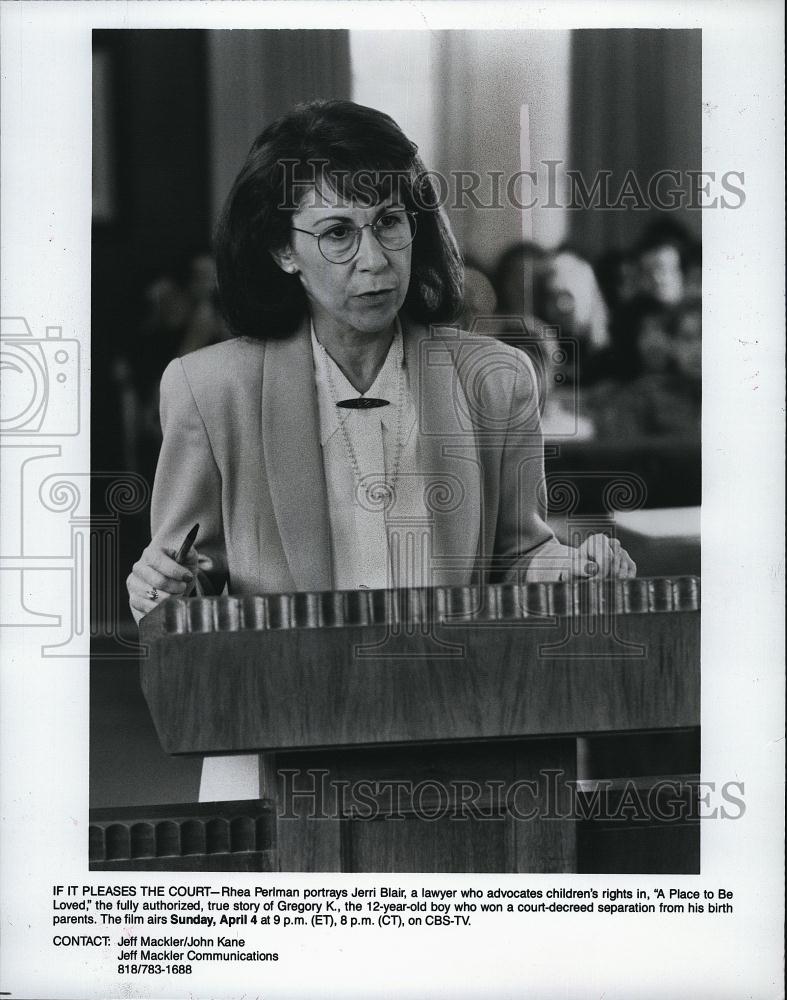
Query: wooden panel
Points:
[305, 840]
[432, 808]
[462, 688]
[649, 849]
[644, 825]
[546, 841]
[424, 808]
[413, 845]
[235, 689]
[206, 837]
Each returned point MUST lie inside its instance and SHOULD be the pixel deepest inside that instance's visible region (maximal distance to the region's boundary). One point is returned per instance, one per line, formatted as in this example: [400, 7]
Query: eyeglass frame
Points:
[412, 216]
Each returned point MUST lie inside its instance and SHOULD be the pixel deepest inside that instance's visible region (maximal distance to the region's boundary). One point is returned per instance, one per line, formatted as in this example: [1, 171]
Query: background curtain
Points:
[636, 104]
[255, 76]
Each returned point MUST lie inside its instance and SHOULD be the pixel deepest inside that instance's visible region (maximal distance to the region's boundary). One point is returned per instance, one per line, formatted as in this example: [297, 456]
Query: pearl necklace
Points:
[379, 495]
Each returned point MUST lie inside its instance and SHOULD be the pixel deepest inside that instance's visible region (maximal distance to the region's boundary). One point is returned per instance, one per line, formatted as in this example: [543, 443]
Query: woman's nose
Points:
[371, 255]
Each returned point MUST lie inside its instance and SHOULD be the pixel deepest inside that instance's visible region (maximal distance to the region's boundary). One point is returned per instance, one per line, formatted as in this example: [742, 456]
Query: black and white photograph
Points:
[445, 499]
[359, 495]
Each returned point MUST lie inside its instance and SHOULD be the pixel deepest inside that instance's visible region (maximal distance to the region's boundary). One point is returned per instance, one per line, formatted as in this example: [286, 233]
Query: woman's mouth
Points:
[376, 295]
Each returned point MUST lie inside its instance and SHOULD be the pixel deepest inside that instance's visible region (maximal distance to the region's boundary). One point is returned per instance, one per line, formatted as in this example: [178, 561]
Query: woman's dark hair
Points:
[362, 155]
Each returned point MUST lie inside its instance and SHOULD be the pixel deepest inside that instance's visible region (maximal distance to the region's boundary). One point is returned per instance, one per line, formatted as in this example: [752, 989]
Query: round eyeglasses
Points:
[339, 243]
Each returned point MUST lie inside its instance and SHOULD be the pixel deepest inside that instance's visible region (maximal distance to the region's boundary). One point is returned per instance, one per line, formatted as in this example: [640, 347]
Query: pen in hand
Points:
[183, 551]
[188, 541]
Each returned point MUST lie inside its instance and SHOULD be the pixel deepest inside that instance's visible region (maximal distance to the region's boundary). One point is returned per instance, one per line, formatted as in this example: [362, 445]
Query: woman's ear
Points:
[284, 259]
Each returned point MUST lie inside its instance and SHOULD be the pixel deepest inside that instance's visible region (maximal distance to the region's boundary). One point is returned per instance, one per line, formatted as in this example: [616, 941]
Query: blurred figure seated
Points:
[181, 315]
[660, 255]
[663, 394]
[618, 277]
[660, 273]
[514, 281]
[668, 270]
[568, 298]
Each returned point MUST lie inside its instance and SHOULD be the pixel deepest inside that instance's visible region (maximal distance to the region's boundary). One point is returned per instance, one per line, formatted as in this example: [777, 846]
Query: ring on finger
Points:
[152, 594]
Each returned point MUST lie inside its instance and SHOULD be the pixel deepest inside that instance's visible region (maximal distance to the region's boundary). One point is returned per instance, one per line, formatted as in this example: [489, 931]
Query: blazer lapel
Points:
[293, 460]
[447, 449]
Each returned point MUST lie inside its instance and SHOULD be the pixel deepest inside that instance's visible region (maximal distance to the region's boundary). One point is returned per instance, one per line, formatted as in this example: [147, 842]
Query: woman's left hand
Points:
[600, 557]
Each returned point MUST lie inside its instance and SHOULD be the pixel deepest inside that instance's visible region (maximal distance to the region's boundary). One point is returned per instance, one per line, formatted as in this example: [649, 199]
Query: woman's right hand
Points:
[156, 576]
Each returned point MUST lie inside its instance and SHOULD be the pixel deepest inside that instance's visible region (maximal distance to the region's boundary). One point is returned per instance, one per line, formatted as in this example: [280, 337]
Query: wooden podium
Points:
[425, 730]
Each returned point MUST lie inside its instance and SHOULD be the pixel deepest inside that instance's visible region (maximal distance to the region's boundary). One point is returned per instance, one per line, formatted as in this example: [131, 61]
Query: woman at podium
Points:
[348, 436]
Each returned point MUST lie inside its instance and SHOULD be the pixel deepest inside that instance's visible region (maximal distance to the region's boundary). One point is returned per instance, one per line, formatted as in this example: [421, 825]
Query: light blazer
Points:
[241, 455]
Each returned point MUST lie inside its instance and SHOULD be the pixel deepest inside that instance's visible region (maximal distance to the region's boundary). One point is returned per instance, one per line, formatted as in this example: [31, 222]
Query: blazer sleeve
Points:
[525, 546]
[187, 487]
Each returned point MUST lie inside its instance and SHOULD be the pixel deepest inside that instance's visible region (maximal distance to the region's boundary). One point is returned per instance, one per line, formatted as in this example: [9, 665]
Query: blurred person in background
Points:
[617, 275]
[647, 347]
[180, 315]
[660, 395]
[668, 264]
[514, 280]
[660, 272]
[568, 297]
[661, 255]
